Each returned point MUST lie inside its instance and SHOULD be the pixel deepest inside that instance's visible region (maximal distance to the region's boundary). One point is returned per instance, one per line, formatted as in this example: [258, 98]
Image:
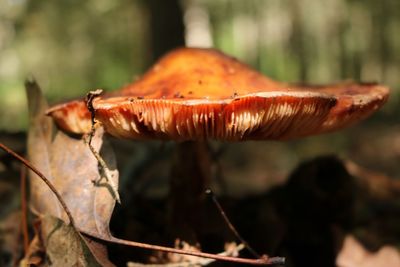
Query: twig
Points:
[89, 104]
[210, 193]
[265, 260]
[24, 212]
[108, 176]
[201, 262]
[44, 179]
[107, 173]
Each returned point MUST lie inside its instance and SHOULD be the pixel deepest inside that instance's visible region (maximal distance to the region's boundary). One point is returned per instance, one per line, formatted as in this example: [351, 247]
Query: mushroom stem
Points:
[190, 177]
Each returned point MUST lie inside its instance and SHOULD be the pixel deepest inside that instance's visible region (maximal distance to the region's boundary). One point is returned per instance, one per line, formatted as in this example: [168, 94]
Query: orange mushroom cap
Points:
[194, 93]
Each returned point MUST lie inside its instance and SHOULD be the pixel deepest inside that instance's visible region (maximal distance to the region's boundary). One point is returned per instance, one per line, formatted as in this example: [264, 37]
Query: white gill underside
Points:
[187, 123]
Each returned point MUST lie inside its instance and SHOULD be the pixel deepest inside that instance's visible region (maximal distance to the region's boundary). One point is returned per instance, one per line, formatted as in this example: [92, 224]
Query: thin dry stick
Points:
[44, 179]
[89, 104]
[265, 260]
[202, 262]
[210, 193]
[107, 174]
[24, 212]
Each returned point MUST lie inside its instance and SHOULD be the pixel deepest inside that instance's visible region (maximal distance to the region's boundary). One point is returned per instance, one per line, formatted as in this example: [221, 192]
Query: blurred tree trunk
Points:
[190, 167]
[167, 28]
[298, 41]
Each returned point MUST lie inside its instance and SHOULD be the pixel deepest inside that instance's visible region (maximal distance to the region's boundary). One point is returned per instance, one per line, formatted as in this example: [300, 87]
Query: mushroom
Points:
[194, 95]
[199, 94]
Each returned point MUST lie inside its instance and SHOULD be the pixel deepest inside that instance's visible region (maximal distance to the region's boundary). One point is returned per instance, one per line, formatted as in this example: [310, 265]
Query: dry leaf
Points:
[64, 246]
[35, 254]
[39, 138]
[70, 166]
[378, 185]
[353, 254]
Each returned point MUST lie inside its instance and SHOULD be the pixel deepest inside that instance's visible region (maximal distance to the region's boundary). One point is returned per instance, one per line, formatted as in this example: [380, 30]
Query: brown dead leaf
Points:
[64, 246]
[39, 138]
[178, 258]
[35, 254]
[353, 254]
[70, 166]
[377, 184]
[58, 244]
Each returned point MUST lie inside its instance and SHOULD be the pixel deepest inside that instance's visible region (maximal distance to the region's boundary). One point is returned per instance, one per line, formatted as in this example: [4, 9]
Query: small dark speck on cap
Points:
[178, 95]
[140, 97]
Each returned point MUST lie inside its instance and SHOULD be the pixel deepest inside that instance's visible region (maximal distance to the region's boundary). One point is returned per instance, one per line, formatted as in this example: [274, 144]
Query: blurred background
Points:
[74, 46]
